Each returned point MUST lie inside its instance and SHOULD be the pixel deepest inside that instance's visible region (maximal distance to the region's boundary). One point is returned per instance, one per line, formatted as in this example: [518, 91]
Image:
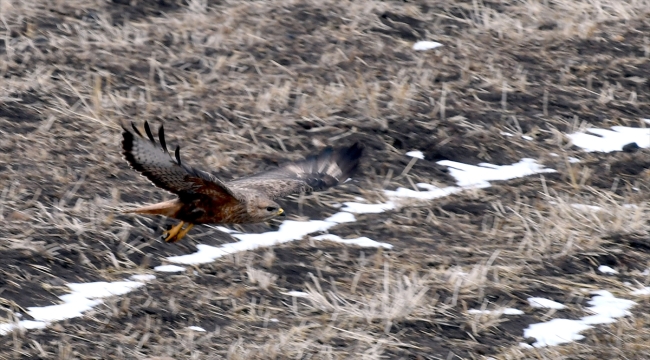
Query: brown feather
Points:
[167, 208]
[157, 165]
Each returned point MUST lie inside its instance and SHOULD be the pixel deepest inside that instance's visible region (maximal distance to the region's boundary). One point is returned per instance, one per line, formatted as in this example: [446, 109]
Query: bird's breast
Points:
[208, 212]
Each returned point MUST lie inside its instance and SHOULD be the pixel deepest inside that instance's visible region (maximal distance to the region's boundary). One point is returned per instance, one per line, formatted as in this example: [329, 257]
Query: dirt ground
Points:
[245, 85]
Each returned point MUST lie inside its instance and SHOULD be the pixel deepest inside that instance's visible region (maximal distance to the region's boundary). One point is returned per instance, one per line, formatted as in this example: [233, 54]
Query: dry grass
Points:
[261, 278]
[564, 225]
[398, 299]
[242, 86]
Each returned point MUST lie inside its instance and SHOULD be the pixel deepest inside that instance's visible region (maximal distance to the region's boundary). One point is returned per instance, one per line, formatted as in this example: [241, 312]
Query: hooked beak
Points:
[281, 212]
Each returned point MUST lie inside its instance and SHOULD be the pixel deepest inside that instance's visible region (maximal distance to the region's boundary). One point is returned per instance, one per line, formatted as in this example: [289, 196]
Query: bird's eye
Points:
[270, 209]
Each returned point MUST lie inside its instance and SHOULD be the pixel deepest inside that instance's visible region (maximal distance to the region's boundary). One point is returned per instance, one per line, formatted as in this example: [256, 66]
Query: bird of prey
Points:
[202, 198]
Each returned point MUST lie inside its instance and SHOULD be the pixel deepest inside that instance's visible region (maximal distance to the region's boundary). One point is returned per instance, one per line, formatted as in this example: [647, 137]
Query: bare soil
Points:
[243, 86]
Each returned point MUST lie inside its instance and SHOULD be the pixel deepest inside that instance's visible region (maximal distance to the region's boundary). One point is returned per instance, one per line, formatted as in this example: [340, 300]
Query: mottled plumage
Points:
[202, 198]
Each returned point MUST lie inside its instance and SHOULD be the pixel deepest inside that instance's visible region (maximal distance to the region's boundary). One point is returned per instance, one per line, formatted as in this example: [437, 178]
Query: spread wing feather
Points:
[317, 172]
[167, 172]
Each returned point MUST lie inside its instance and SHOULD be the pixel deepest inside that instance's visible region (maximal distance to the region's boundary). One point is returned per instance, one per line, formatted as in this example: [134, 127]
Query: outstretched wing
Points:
[316, 172]
[167, 172]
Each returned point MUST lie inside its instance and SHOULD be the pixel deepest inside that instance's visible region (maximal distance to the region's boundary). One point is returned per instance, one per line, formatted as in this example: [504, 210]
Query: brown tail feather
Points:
[166, 208]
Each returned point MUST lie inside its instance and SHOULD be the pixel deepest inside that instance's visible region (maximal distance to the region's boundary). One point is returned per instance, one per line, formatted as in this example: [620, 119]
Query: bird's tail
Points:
[166, 208]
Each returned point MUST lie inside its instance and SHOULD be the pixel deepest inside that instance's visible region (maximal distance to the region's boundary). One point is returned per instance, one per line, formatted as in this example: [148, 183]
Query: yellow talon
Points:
[182, 233]
[177, 232]
[172, 233]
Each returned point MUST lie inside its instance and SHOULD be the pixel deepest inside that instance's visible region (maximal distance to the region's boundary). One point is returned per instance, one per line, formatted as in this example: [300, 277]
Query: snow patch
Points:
[294, 293]
[360, 241]
[605, 140]
[225, 230]
[506, 311]
[430, 192]
[425, 45]
[289, 230]
[467, 177]
[538, 302]
[23, 324]
[143, 277]
[360, 208]
[83, 297]
[606, 270]
[472, 176]
[606, 309]
[416, 154]
[169, 268]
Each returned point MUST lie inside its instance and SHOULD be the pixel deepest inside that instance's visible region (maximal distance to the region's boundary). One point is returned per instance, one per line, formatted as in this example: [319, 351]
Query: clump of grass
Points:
[399, 297]
[561, 224]
[260, 278]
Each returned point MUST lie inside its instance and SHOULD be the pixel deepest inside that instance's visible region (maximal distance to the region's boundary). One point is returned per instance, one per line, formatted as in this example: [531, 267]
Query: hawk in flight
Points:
[202, 198]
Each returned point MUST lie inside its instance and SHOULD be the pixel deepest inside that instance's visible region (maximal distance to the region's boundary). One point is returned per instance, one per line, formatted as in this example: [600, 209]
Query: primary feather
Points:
[317, 172]
[165, 171]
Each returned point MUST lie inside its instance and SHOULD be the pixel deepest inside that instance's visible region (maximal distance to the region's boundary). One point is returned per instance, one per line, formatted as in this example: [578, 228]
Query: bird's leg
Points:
[173, 232]
[183, 232]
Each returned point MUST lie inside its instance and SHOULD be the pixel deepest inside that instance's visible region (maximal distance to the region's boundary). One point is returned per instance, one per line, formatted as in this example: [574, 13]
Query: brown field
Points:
[245, 85]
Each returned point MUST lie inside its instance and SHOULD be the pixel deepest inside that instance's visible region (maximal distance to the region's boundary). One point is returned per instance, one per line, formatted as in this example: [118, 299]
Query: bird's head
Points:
[265, 209]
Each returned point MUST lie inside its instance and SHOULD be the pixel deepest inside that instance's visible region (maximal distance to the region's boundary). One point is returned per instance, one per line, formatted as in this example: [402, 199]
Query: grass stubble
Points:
[244, 85]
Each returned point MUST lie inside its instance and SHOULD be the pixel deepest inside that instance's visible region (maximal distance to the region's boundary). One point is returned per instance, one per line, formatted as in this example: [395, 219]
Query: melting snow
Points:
[480, 175]
[467, 177]
[506, 311]
[559, 331]
[605, 140]
[143, 277]
[296, 294]
[416, 154]
[225, 230]
[342, 217]
[538, 302]
[555, 332]
[606, 270]
[426, 45]
[169, 268]
[289, 231]
[361, 241]
[607, 308]
[431, 192]
[82, 298]
[360, 208]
